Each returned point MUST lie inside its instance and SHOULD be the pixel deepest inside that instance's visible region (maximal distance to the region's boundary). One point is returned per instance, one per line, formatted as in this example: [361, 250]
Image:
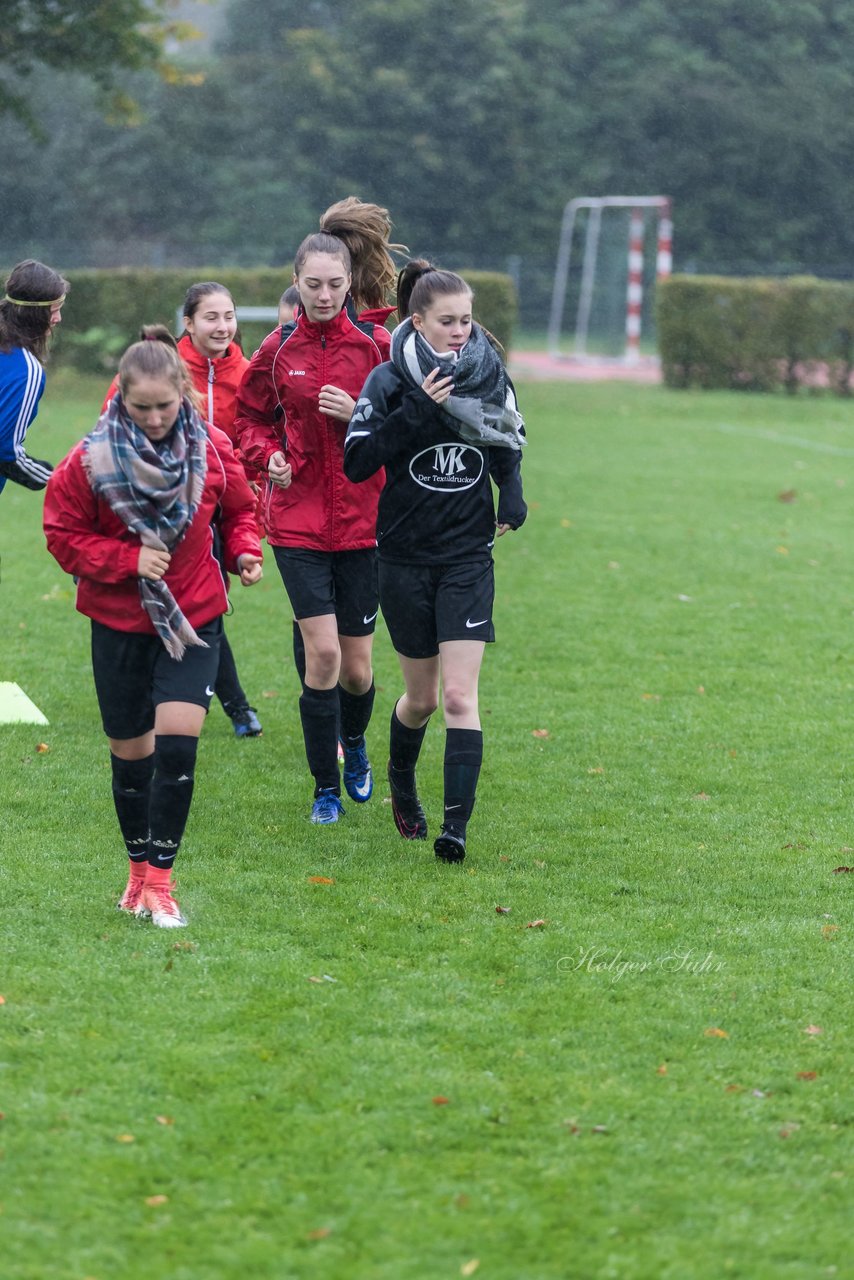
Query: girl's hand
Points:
[152, 564]
[279, 470]
[335, 403]
[438, 387]
[250, 569]
[501, 529]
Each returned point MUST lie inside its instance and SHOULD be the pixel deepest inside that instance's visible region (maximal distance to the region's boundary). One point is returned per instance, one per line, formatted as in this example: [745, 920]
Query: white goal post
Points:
[634, 291]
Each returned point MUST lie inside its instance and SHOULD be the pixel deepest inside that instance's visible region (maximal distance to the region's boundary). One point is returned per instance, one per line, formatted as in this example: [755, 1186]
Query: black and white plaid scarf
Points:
[155, 490]
[482, 408]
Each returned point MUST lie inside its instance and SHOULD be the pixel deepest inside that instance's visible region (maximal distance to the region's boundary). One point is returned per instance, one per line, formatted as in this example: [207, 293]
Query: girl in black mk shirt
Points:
[441, 417]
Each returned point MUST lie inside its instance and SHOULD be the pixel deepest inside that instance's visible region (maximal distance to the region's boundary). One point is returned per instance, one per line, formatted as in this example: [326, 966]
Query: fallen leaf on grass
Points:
[651, 697]
[503, 911]
[125, 1137]
[701, 795]
[782, 551]
[734, 1088]
[788, 495]
[828, 930]
[42, 748]
[469, 1268]
[319, 1233]
[540, 733]
[2, 999]
[164, 1119]
[662, 1070]
[321, 880]
[789, 1129]
[440, 1100]
[813, 1030]
[596, 769]
[154, 1201]
[269, 693]
[807, 1075]
[700, 689]
[838, 870]
[535, 924]
[716, 1031]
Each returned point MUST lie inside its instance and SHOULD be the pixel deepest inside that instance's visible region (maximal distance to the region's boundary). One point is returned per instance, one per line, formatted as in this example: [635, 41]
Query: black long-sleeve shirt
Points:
[437, 505]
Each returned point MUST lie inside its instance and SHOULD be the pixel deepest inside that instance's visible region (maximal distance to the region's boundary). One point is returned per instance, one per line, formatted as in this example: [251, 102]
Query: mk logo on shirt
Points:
[447, 468]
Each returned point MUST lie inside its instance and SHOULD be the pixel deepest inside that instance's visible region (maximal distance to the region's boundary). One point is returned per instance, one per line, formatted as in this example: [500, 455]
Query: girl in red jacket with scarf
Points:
[292, 411]
[215, 364]
[128, 513]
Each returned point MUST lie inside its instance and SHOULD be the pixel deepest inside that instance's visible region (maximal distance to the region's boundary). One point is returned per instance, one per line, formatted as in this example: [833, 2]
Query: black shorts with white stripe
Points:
[425, 605]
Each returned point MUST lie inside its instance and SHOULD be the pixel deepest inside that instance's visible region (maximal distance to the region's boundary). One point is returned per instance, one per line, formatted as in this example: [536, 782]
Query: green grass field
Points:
[379, 1076]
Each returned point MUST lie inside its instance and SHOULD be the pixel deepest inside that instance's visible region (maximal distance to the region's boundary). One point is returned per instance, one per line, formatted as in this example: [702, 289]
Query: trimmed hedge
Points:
[756, 334]
[106, 308]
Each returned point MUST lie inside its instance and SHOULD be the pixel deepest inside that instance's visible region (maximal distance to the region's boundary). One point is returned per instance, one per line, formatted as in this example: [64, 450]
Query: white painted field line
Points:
[775, 437]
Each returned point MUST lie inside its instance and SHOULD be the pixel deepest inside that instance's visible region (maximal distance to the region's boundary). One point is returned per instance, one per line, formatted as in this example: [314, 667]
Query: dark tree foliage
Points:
[473, 120]
[100, 40]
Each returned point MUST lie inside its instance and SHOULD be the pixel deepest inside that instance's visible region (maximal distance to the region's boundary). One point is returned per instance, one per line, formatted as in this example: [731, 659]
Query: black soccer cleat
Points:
[450, 845]
[405, 806]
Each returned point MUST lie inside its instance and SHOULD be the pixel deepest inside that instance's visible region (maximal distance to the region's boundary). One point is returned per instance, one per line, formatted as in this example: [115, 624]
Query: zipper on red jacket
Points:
[211, 377]
[330, 453]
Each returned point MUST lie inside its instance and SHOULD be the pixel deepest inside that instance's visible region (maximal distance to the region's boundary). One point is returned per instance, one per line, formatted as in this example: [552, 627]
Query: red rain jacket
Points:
[88, 540]
[321, 509]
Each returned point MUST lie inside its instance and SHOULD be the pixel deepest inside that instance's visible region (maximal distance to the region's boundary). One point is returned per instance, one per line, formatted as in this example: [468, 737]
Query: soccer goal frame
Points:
[634, 290]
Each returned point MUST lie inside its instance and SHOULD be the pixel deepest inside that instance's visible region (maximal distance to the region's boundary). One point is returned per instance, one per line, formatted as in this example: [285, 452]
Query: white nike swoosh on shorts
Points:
[209, 692]
[367, 620]
[471, 624]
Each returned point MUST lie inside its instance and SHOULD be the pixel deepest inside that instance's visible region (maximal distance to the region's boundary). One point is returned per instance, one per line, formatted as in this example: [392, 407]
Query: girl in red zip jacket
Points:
[293, 406]
[216, 364]
[128, 513]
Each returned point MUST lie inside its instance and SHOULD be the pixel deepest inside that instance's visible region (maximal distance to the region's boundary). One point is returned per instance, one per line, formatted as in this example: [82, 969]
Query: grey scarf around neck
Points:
[482, 408]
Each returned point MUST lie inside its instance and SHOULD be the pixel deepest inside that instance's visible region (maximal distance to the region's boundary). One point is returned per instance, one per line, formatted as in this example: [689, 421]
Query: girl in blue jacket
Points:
[30, 309]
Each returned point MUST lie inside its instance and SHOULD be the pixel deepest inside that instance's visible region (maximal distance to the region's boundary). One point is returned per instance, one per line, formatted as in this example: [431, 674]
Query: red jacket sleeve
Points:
[256, 427]
[114, 386]
[236, 520]
[71, 528]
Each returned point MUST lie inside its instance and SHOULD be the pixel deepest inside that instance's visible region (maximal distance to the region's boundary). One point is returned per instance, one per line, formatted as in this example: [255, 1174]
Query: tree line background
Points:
[474, 121]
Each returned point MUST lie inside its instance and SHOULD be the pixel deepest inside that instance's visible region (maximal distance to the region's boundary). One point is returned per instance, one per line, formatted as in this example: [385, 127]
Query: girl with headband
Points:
[29, 311]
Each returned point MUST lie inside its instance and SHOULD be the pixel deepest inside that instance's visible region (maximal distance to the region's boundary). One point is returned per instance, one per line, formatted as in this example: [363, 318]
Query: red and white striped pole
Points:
[634, 296]
[664, 260]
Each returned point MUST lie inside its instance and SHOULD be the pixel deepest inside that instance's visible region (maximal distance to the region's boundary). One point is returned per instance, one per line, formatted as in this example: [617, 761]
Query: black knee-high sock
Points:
[463, 758]
[356, 711]
[404, 744]
[318, 709]
[131, 788]
[228, 688]
[171, 794]
[299, 654]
